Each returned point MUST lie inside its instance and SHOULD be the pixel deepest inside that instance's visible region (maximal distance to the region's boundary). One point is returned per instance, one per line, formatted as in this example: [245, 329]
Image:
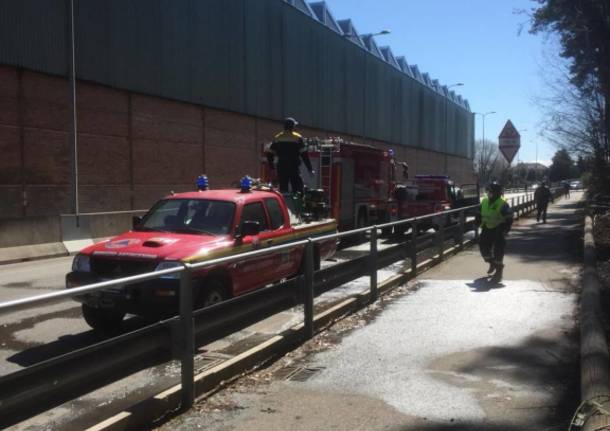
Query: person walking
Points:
[289, 148]
[566, 189]
[542, 196]
[495, 218]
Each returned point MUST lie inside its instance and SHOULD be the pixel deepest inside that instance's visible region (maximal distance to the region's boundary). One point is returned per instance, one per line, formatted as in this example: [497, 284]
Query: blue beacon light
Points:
[202, 182]
[245, 184]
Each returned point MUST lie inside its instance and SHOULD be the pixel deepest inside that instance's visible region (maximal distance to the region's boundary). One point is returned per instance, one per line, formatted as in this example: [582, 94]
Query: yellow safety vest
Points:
[491, 214]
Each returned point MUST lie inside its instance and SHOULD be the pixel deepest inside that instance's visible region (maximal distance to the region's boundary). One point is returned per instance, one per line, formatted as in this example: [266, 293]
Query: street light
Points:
[458, 84]
[73, 123]
[379, 33]
[483, 115]
[519, 158]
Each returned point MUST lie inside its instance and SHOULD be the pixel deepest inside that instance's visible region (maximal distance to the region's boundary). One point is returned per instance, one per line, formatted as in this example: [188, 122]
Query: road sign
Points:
[509, 141]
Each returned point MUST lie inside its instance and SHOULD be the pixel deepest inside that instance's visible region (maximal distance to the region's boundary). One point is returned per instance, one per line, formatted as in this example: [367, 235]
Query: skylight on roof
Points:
[323, 14]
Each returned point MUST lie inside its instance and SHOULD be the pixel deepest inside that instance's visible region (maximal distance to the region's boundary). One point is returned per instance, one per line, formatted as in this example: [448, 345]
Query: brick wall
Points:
[132, 149]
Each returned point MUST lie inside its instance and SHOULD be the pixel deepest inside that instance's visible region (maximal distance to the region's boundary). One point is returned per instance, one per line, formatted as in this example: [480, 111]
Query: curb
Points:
[166, 403]
[594, 356]
[24, 253]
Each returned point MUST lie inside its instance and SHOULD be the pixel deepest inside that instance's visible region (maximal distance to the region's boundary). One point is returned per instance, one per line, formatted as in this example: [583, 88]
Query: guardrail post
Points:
[413, 247]
[187, 349]
[308, 290]
[462, 223]
[373, 263]
[476, 231]
[440, 241]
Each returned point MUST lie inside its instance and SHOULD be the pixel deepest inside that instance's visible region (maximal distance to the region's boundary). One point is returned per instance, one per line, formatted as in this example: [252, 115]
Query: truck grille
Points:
[111, 268]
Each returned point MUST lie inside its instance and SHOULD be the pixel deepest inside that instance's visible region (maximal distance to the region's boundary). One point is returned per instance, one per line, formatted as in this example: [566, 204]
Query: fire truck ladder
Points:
[326, 170]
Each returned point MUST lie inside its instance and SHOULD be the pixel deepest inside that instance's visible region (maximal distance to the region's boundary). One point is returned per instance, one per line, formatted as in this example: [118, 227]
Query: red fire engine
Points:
[429, 194]
[357, 181]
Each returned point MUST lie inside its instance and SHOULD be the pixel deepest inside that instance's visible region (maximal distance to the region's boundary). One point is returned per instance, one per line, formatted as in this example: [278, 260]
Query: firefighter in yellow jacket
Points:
[289, 148]
[495, 218]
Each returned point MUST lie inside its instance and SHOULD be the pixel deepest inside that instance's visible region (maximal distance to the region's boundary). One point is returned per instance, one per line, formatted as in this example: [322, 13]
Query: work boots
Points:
[492, 268]
[497, 277]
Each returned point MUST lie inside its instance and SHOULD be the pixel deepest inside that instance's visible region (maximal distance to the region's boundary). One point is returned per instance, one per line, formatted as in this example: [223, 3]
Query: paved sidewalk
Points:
[452, 352]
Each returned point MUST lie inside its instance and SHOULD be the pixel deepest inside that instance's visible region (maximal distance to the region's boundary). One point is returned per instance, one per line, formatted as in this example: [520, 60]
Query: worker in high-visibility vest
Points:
[289, 148]
[495, 218]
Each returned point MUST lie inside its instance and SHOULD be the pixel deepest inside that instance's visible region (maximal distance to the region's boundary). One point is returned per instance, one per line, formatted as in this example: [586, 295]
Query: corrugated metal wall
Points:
[264, 58]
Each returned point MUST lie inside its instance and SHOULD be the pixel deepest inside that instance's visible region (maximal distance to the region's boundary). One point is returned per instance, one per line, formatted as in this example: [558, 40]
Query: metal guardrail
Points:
[50, 383]
[594, 358]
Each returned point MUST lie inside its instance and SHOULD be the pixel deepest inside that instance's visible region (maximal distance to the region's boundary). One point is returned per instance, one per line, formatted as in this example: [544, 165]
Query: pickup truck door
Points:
[256, 272]
[287, 261]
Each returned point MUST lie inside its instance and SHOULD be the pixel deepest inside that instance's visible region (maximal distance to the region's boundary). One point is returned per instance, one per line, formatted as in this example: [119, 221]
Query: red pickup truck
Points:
[429, 194]
[194, 227]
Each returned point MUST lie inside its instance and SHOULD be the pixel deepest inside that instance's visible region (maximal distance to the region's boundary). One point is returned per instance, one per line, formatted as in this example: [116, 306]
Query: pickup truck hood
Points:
[158, 245]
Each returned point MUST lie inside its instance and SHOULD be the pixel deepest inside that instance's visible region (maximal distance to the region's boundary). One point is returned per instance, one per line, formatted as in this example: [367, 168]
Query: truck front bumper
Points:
[153, 297]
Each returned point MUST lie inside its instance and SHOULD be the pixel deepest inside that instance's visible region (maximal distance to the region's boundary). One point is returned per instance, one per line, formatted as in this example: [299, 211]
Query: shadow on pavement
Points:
[484, 284]
[32, 353]
[539, 242]
[539, 360]
[462, 426]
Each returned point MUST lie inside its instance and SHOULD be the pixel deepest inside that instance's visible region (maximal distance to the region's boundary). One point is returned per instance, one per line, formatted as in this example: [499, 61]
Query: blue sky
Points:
[476, 42]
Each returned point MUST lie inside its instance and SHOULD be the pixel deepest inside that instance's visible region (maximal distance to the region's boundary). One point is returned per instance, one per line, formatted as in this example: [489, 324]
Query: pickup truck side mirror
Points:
[136, 221]
[249, 227]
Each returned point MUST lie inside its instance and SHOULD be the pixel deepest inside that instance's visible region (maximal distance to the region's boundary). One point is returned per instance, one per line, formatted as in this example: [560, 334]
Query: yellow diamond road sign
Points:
[509, 141]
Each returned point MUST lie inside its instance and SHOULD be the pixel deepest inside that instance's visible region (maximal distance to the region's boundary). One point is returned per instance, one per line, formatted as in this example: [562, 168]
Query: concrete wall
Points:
[133, 149]
[17, 232]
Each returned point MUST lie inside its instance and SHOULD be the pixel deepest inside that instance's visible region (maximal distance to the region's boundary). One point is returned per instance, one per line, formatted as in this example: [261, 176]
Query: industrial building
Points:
[167, 90]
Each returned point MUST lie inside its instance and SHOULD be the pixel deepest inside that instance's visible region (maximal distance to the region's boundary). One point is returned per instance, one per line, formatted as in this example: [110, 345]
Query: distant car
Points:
[534, 186]
[575, 185]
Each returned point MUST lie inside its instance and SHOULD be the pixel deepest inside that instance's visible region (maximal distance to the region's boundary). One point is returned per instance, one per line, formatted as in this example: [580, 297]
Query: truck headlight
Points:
[81, 263]
[168, 265]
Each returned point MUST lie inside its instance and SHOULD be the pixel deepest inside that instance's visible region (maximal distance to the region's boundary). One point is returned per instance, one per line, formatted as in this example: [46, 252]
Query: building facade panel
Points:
[10, 159]
[169, 89]
[264, 58]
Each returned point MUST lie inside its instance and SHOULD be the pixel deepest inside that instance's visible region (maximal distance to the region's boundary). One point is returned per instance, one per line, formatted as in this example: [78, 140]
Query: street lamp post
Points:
[74, 127]
[483, 115]
[459, 84]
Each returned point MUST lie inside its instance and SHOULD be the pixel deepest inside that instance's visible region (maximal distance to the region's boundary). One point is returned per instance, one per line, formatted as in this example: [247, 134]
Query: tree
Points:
[579, 119]
[563, 167]
[584, 30]
[486, 160]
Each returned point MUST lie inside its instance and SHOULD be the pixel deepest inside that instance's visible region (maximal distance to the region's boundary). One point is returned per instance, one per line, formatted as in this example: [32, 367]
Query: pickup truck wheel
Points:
[400, 229]
[103, 320]
[214, 291]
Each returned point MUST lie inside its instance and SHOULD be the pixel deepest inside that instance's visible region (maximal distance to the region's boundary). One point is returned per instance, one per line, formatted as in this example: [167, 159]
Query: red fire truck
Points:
[194, 227]
[356, 179]
[429, 194]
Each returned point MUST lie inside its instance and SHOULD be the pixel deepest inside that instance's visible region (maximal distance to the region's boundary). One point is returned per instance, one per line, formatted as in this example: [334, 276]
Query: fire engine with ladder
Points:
[356, 181]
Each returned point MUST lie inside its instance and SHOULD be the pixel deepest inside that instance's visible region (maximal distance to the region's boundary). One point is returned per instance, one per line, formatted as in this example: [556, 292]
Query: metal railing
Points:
[27, 392]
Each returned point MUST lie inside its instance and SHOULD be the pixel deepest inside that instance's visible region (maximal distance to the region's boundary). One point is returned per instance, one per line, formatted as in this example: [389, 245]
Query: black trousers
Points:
[541, 208]
[492, 244]
[292, 176]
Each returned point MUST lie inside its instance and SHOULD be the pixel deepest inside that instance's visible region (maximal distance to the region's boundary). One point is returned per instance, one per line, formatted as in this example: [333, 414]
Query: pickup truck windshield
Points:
[198, 216]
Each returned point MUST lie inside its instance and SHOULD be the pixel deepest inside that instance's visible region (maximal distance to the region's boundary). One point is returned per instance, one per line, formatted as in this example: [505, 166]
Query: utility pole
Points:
[74, 124]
